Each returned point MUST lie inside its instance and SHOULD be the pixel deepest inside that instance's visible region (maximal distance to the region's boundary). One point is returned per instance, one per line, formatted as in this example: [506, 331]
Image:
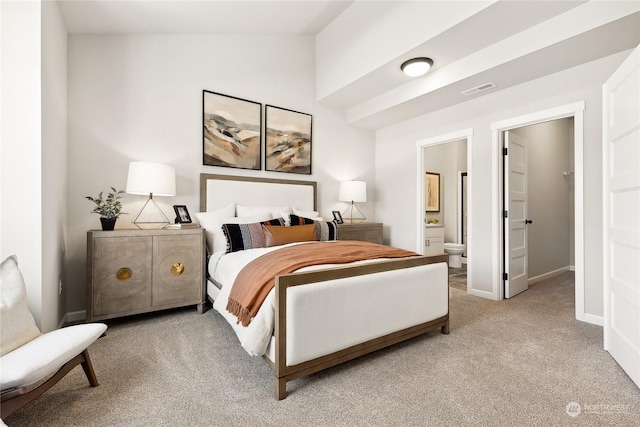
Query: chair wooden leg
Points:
[88, 369]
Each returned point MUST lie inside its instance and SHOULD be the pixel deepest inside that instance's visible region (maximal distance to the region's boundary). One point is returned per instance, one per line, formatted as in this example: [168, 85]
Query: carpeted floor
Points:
[518, 362]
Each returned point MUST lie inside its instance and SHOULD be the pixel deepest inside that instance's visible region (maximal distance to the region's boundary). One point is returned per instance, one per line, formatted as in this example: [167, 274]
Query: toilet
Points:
[454, 250]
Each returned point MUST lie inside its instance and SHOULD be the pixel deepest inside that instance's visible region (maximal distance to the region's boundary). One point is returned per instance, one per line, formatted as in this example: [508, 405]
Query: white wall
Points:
[21, 218]
[549, 194]
[33, 173]
[395, 165]
[139, 97]
[54, 165]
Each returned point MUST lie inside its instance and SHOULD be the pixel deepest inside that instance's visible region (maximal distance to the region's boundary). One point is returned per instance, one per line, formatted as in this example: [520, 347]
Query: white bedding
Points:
[224, 268]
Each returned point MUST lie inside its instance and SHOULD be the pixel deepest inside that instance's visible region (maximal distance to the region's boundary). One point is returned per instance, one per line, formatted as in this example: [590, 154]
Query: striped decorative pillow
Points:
[324, 230]
[247, 236]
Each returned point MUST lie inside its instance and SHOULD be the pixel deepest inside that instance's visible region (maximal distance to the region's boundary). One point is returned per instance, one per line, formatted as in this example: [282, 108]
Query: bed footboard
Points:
[331, 322]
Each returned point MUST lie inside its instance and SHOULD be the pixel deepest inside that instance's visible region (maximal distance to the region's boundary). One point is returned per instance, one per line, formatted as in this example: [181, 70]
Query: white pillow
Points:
[17, 325]
[275, 211]
[227, 211]
[216, 241]
[286, 216]
[306, 214]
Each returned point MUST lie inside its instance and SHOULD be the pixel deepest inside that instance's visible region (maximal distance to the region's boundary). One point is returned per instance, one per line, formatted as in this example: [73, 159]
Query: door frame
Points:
[462, 177]
[466, 134]
[575, 110]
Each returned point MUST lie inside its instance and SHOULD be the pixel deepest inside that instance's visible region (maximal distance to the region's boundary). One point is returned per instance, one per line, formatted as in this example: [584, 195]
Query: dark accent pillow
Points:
[299, 220]
[247, 236]
[324, 230]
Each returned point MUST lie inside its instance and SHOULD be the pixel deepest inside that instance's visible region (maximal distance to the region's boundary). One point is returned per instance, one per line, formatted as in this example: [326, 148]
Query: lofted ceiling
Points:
[199, 16]
[502, 42]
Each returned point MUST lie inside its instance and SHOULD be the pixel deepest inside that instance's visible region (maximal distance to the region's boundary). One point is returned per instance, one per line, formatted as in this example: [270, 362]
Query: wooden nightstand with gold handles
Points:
[139, 271]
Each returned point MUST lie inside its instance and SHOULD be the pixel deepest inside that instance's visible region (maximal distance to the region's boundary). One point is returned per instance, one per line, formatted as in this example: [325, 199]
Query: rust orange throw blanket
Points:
[257, 278]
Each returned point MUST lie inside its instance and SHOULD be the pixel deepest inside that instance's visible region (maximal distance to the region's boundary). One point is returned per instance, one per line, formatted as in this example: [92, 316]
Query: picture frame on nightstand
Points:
[337, 217]
[182, 214]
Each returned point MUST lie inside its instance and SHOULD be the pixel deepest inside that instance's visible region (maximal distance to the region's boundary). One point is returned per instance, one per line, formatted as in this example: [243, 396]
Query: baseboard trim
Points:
[592, 318]
[548, 275]
[75, 317]
[481, 294]
[63, 321]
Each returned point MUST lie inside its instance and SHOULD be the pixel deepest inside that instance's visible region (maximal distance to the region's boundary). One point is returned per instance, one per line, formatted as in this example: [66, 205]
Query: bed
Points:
[319, 316]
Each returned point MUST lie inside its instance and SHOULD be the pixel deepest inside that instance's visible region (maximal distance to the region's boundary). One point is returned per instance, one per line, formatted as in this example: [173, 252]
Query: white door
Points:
[621, 215]
[515, 226]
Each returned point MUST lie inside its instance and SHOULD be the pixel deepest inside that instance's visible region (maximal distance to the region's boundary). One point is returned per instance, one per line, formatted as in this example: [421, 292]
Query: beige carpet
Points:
[516, 362]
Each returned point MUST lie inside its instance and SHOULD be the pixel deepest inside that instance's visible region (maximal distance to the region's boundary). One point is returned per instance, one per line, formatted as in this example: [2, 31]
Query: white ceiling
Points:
[199, 16]
[507, 43]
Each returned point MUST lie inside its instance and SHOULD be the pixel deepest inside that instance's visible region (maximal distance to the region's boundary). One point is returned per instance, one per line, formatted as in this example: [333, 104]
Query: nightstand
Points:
[139, 271]
[364, 231]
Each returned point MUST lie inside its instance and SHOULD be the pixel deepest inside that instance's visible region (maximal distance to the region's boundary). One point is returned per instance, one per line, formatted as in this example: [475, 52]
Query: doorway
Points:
[538, 199]
[448, 214]
[571, 110]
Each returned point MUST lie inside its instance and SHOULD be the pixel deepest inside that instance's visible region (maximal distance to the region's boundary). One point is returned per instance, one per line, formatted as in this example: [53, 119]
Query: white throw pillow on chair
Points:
[17, 325]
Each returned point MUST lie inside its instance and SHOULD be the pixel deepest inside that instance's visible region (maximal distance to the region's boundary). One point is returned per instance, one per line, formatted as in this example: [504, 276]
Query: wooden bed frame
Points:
[286, 282]
[286, 373]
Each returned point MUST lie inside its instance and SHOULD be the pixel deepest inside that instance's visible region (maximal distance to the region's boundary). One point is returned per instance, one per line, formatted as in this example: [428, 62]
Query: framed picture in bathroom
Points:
[432, 192]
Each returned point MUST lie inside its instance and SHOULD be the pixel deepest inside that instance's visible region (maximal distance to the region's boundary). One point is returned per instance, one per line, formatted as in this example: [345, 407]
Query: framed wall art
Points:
[287, 141]
[432, 189]
[231, 131]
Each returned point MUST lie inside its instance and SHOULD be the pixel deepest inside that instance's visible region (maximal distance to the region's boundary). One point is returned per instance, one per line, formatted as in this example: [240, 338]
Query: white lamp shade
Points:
[151, 178]
[353, 191]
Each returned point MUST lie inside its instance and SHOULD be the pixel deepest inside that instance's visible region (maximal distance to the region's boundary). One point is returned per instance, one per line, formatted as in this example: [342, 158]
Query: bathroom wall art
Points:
[432, 188]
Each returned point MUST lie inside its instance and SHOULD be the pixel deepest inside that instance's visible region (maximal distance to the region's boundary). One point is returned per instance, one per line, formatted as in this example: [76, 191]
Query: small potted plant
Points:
[109, 208]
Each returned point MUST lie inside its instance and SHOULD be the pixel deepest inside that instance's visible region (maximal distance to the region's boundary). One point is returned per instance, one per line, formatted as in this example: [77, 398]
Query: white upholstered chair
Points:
[29, 357]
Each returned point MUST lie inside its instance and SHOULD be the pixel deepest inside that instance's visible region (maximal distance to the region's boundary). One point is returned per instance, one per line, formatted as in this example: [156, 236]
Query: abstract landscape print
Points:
[287, 141]
[231, 131]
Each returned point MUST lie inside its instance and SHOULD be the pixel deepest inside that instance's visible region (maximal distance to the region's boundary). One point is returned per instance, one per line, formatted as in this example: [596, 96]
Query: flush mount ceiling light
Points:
[416, 67]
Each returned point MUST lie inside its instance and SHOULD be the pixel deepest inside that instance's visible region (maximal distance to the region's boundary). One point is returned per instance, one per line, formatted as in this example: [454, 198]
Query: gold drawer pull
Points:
[123, 274]
[177, 268]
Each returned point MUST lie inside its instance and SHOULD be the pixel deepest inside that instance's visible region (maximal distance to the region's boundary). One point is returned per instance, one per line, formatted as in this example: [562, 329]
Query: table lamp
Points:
[353, 191]
[152, 179]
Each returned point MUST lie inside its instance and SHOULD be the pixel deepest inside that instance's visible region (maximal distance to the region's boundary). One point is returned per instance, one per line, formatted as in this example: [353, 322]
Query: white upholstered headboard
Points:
[217, 191]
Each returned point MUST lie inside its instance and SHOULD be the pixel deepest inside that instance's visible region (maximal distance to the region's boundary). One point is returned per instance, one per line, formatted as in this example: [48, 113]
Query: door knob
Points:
[528, 221]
